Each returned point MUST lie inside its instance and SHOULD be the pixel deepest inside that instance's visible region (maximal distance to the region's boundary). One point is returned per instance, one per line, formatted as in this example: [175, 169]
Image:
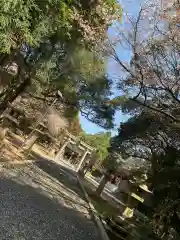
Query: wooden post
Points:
[82, 161]
[58, 155]
[102, 184]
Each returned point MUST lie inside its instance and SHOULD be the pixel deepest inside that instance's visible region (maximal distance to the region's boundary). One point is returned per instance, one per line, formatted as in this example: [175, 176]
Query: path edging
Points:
[94, 213]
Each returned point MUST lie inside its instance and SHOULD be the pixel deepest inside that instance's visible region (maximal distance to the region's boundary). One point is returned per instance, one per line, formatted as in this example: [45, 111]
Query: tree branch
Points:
[155, 109]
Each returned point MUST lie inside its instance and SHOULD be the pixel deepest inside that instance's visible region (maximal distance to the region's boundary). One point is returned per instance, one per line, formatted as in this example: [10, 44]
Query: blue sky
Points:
[132, 8]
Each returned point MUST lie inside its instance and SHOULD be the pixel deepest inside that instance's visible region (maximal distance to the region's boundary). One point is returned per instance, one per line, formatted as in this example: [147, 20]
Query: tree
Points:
[109, 169]
[152, 76]
[31, 21]
[154, 142]
[117, 160]
[75, 126]
[40, 30]
[100, 141]
[150, 95]
[81, 79]
[56, 125]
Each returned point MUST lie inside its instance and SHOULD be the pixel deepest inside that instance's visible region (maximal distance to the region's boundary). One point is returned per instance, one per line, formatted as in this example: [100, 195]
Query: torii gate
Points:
[69, 138]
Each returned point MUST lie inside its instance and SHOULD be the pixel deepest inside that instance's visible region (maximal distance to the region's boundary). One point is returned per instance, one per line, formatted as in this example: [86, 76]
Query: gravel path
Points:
[42, 201]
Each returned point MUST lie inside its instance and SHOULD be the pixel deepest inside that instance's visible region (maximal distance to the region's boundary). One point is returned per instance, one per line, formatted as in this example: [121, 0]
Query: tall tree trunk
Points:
[102, 184]
[14, 93]
[89, 166]
[6, 58]
[3, 57]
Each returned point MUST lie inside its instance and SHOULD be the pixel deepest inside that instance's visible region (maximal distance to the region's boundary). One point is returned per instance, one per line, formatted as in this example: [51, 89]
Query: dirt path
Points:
[42, 201]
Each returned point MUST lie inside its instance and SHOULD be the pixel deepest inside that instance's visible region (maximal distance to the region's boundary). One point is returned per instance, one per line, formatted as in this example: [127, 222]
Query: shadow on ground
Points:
[64, 175]
[28, 214]
[67, 177]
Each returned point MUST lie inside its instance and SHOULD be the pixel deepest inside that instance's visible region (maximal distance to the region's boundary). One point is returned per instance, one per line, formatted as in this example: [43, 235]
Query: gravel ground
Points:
[42, 201]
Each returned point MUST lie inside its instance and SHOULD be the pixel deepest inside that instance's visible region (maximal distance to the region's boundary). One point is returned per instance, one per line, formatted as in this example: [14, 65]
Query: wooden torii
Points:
[68, 138]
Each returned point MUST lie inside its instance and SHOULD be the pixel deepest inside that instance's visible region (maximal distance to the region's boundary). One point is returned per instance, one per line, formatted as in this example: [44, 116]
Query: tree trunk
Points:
[102, 184]
[3, 57]
[89, 166]
[6, 58]
[13, 94]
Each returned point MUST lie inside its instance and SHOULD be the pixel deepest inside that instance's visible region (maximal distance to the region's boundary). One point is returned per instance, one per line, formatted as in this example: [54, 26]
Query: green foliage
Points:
[149, 93]
[80, 76]
[112, 161]
[54, 36]
[155, 139]
[33, 20]
[126, 104]
[30, 21]
[86, 63]
[74, 124]
[100, 141]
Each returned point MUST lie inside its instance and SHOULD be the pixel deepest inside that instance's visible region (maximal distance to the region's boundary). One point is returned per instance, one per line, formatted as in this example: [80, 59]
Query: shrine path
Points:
[42, 200]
